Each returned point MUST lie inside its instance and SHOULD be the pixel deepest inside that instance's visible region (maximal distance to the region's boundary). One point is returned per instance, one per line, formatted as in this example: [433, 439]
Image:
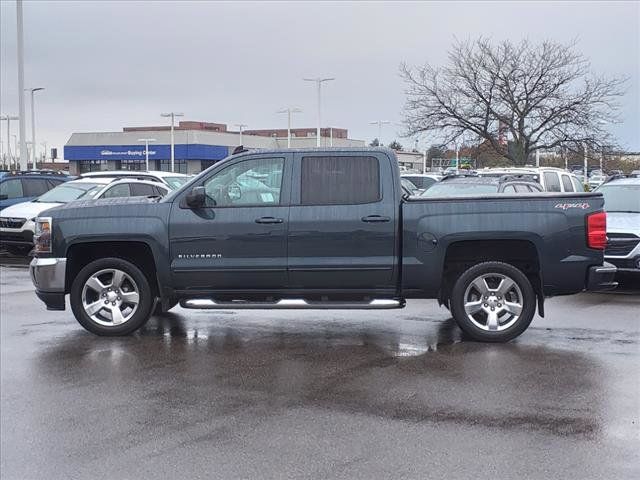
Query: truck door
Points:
[342, 221]
[238, 240]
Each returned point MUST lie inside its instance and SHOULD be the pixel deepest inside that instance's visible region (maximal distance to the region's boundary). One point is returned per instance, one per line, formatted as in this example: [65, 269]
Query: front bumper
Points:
[16, 237]
[602, 277]
[48, 276]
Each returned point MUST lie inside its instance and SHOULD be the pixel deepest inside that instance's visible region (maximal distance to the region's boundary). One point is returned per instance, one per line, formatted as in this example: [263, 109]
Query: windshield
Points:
[175, 182]
[444, 189]
[69, 192]
[621, 198]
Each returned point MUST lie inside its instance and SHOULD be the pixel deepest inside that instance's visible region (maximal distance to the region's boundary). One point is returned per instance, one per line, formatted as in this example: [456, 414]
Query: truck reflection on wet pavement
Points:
[327, 394]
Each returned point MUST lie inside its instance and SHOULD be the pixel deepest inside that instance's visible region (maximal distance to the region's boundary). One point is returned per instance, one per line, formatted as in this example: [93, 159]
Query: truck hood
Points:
[622, 222]
[26, 210]
[103, 206]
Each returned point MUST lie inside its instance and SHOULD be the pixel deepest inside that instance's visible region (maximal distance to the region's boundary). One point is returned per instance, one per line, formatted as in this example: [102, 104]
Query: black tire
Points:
[528, 302]
[139, 316]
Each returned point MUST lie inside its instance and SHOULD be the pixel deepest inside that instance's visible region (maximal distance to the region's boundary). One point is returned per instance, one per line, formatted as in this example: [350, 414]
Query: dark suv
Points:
[470, 184]
[16, 187]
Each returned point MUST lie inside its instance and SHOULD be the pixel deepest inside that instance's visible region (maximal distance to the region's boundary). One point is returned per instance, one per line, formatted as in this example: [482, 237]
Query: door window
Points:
[34, 187]
[142, 190]
[566, 183]
[346, 180]
[577, 184]
[551, 182]
[11, 189]
[120, 190]
[254, 182]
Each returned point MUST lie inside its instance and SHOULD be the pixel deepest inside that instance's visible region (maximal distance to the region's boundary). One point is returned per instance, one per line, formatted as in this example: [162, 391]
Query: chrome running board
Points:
[208, 304]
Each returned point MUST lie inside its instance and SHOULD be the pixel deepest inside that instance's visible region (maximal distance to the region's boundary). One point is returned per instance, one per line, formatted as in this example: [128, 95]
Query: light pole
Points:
[586, 177]
[8, 118]
[172, 115]
[23, 130]
[240, 127]
[44, 156]
[33, 124]
[15, 149]
[319, 81]
[146, 150]
[289, 111]
[380, 123]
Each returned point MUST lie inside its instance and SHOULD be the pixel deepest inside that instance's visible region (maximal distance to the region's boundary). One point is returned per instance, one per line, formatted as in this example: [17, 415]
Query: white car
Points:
[17, 221]
[422, 180]
[552, 179]
[170, 179]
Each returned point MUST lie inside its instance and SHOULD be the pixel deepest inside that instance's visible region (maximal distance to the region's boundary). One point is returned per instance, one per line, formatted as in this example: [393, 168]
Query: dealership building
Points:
[197, 145]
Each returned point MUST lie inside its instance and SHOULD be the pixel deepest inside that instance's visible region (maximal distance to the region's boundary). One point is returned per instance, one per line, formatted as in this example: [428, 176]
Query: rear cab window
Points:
[552, 182]
[566, 183]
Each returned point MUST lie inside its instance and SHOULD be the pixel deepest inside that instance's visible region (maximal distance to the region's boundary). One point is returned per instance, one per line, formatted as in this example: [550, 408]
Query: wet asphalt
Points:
[326, 394]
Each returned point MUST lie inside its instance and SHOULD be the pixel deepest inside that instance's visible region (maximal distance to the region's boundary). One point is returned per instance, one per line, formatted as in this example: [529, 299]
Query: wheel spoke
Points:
[512, 307]
[506, 284]
[95, 284]
[118, 278]
[492, 320]
[473, 307]
[130, 297]
[94, 307]
[116, 316]
[481, 285]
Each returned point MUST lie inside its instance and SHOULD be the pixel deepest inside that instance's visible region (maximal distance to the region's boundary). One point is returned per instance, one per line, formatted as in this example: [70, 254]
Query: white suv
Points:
[17, 221]
[170, 179]
[552, 179]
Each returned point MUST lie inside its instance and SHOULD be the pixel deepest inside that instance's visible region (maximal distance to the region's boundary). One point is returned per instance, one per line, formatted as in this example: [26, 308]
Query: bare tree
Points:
[542, 95]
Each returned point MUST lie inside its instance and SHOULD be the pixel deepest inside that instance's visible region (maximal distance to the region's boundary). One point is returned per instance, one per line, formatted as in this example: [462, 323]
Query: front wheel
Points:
[493, 302]
[111, 296]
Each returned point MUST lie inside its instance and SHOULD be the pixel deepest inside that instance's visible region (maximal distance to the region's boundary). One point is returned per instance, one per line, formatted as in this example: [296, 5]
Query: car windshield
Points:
[69, 192]
[621, 198]
[446, 189]
[175, 182]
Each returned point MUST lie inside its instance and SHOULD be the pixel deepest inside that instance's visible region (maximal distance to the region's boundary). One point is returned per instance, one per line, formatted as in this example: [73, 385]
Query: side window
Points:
[577, 184]
[566, 183]
[160, 191]
[142, 190]
[250, 182]
[11, 189]
[339, 180]
[120, 190]
[34, 187]
[51, 183]
[509, 189]
[522, 188]
[552, 182]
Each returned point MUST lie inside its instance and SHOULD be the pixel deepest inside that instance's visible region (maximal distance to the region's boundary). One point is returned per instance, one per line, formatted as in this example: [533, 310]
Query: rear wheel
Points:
[493, 302]
[111, 296]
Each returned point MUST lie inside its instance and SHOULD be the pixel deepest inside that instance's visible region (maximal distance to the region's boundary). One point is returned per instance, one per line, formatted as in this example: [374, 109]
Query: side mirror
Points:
[196, 198]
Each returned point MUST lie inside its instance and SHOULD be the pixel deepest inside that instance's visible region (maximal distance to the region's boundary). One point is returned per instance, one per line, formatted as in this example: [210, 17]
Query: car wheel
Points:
[111, 296]
[493, 302]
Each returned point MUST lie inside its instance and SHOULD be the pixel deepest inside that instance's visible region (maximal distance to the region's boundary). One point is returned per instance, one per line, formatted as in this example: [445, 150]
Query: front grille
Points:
[621, 244]
[7, 222]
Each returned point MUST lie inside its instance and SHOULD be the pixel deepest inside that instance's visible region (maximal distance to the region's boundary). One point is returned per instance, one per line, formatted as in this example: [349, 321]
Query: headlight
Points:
[42, 235]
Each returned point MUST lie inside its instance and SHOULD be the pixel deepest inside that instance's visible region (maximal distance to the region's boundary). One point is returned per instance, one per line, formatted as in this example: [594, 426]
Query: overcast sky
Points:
[106, 65]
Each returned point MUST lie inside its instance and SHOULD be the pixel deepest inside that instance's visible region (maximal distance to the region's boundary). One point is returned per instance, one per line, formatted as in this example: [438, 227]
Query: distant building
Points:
[197, 146]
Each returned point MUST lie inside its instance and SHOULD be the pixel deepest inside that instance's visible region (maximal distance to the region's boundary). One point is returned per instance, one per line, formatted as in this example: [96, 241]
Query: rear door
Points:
[238, 240]
[342, 222]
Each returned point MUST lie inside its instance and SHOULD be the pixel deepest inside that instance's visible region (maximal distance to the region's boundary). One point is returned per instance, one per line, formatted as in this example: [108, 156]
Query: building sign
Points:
[136, 152]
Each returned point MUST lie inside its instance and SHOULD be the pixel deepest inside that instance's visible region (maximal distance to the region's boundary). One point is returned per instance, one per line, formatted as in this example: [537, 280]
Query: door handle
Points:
[269, 220]
[376, 219]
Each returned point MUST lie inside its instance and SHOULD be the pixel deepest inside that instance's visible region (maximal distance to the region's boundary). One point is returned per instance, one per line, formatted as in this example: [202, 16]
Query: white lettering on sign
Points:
[128, 153]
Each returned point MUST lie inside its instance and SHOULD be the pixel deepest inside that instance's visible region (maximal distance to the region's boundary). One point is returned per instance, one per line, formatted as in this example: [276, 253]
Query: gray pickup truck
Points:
[318, 229]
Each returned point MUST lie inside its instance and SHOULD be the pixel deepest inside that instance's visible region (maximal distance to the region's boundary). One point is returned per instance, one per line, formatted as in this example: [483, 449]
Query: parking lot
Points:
[270, 394]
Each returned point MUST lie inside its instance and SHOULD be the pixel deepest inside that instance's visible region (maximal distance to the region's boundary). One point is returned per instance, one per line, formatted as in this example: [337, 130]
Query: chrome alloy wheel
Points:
[493, 302]
[110, 297]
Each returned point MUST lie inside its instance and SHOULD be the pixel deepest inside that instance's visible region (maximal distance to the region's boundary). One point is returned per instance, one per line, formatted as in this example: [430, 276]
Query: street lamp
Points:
[380, 123]
[172, 115]
[319, 81]
[21, 115]
[8, 118]
[33, 124]
[240, 127]
[15, 150]
[289, 111]
[146, 150]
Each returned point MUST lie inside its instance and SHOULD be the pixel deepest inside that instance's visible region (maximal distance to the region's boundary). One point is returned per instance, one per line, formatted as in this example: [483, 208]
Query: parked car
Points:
[552, 179]
[422, 180]
[335, 232]
[17, 221]
[622, 204]
[170, 179]
[471, 185]
[596, 180]
[17, 187]
[635, 174]
[408, 187]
